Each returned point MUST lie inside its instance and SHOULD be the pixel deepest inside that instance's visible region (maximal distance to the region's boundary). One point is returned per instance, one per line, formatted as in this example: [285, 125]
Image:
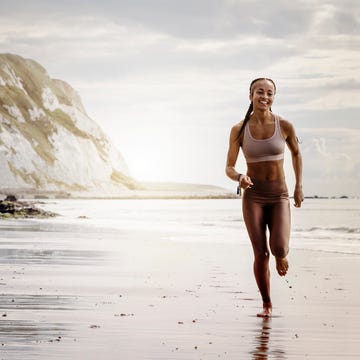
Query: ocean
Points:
[330, 225]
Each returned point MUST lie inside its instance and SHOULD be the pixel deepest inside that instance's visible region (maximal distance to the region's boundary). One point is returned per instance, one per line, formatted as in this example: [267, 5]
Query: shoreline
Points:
[134, 195]
[199, 192]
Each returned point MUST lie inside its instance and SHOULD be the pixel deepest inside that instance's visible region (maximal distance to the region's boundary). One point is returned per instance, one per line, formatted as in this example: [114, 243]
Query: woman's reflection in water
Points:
[262, 349]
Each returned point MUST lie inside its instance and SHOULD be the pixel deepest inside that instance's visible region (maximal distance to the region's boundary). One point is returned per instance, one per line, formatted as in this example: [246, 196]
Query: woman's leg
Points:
[279, 228]
[254, 218]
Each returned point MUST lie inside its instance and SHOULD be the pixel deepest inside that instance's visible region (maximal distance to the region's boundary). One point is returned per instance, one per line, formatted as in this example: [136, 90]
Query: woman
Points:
[262, 136]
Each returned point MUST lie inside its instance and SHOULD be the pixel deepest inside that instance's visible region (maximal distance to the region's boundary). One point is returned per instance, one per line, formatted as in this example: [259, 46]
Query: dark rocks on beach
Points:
[11, 207]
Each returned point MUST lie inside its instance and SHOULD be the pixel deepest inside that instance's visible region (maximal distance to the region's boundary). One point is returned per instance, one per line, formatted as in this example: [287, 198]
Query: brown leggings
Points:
[266, 206]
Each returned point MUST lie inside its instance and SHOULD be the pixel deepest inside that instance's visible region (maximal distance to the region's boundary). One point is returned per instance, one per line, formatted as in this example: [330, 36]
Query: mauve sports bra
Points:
[269, 149]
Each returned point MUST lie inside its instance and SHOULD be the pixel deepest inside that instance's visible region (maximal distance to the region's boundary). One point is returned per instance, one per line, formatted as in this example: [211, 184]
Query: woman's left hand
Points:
[245, 182]
[298, 196]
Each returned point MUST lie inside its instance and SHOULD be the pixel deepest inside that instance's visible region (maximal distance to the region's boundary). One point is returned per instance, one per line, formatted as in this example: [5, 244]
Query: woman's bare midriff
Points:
[266, 170]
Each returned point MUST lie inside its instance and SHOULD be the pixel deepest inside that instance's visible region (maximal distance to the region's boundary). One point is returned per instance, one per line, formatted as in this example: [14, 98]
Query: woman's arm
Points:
[293, 145]
[233, 153]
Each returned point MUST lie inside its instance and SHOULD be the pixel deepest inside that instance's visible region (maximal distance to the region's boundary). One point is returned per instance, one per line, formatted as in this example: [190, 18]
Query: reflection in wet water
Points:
[37, 302]
[30, 254]
[262, 341]
[263, 350]
[48, 256]
[22, 335]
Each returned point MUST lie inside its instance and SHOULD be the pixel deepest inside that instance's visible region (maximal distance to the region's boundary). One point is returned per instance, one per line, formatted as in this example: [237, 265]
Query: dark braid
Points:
[250, 109]
[247, 117]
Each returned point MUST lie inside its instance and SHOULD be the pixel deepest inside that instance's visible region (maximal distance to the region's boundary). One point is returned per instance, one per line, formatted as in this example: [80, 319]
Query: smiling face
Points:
[262, 94]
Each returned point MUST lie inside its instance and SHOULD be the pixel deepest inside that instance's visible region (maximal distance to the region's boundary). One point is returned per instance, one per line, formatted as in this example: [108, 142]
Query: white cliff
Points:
[47, 141]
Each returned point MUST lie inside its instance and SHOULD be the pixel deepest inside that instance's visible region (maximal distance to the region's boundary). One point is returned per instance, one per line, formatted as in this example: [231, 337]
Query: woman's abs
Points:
[266, 170]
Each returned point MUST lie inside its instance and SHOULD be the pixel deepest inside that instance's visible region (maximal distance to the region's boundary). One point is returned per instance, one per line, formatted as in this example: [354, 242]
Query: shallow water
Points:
[165, 279]
[321, 224]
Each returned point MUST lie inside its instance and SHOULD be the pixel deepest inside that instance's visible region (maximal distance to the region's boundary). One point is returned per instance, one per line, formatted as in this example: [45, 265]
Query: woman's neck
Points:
[261, 117]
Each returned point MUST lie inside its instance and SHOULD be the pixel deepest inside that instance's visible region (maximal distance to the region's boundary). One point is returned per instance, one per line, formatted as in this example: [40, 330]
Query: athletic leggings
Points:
[266, 206]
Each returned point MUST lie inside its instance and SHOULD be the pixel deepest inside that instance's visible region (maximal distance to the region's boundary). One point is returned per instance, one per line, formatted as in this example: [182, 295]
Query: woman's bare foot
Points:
[267, 310]
[282, 266]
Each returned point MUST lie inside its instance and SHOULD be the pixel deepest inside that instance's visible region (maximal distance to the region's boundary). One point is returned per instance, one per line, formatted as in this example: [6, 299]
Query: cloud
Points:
[331, 161]
[186, 19]
[148, 67]
[290, 38]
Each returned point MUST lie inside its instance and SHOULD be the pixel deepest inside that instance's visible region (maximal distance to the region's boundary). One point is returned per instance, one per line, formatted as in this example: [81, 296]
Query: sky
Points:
[167, 79]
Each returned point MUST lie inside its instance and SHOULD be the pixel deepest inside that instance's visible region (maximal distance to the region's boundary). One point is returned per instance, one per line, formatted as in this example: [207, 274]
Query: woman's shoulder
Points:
[235, 131]
[236, 128]
[286, 127]
[284, 123]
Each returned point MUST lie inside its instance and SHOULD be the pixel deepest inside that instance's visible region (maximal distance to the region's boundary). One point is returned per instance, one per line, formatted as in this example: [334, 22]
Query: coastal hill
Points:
[50, 147]
[47, 141]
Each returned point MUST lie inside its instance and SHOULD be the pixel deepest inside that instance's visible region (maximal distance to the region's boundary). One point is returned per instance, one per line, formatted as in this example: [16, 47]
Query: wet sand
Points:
[78, 294]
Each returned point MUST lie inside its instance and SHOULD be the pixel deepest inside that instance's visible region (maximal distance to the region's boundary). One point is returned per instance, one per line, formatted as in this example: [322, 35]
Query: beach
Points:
[166, 280]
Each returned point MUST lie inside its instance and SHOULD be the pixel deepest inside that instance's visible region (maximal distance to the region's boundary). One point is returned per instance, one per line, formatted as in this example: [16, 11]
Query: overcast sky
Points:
[167, 79]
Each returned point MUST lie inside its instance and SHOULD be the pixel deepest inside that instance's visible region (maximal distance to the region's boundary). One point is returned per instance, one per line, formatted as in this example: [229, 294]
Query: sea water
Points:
[330, 225]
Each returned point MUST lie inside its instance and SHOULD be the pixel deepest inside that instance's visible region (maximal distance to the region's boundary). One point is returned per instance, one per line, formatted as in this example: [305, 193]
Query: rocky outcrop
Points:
[11, 207]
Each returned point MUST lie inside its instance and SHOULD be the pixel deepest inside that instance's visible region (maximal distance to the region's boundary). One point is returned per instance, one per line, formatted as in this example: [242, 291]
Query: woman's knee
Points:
[261, 256]
[279, 251]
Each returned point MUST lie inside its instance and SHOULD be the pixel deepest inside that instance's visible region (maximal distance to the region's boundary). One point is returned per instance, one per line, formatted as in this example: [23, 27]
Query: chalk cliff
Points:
[47, 141]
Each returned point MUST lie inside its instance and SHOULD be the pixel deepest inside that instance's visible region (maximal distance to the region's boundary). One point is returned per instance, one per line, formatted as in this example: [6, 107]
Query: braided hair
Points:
[250, 109]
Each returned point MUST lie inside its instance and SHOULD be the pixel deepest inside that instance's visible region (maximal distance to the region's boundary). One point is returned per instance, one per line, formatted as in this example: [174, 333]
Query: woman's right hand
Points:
[245, 182]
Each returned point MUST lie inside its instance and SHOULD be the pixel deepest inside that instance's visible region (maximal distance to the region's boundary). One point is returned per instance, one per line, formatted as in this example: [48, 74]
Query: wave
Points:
[354, 251]
[341, 229]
